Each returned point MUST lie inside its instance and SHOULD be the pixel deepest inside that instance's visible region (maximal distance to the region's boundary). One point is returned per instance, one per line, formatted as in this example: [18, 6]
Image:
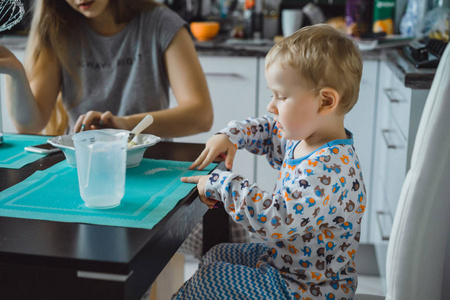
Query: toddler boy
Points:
[310, 223]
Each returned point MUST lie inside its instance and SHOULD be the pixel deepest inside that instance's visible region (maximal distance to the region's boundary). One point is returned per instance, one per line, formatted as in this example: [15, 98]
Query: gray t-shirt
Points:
[124, 73]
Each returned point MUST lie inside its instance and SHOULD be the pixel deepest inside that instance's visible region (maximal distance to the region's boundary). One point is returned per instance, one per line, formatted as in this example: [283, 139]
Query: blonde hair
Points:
[55, 23]
[326, 58]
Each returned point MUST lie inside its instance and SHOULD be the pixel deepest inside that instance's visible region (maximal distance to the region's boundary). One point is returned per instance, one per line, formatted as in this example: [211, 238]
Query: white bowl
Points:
[135, 153]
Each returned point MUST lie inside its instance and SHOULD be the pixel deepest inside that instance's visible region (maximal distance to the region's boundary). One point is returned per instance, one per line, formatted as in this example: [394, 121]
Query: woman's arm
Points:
[194, 113]
[30, 103]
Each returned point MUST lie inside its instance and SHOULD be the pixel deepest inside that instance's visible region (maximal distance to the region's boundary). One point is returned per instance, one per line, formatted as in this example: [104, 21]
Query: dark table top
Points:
[98, 248]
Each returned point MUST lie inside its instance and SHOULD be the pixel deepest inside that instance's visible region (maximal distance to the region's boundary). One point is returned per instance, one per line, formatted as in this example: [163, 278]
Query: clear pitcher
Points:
[101, 166]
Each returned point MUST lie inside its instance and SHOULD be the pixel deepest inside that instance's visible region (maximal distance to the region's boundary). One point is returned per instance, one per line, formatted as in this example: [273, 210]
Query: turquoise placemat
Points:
[12, 153]
[151, 191]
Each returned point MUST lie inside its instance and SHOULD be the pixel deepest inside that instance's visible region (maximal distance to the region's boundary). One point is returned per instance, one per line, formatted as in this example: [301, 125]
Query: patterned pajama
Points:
[310, 222]
[193, 245]
[232, 271]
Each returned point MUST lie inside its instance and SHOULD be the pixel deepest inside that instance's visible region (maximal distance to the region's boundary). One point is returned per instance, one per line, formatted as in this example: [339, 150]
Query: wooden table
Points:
[56, 260]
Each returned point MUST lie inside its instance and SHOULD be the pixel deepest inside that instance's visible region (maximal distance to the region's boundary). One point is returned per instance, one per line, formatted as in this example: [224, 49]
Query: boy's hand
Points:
[218, 147]
[201, 181]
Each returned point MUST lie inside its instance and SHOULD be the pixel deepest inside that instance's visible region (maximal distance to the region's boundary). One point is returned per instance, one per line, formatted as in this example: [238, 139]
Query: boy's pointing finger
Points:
[191, 179]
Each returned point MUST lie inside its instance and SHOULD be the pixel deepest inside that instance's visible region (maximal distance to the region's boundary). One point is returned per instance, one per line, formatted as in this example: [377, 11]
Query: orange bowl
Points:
[204, 31]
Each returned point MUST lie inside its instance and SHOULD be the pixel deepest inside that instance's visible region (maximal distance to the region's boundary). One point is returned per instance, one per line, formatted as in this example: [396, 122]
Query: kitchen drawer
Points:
[390, 159]
[398, 96]
[382, 215]
[381, 226]
[232, 85]
[396, 149]
[381, 151]
[383, 201]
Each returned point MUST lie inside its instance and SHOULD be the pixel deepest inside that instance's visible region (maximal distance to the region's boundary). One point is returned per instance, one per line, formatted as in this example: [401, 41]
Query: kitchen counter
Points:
[412, 77]
[407, 73]
[223, 46]
[259, 48]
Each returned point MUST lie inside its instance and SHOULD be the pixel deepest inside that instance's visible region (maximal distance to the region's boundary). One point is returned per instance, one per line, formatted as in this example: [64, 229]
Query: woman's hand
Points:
[96, 120]
[201, 181]
[218, 147]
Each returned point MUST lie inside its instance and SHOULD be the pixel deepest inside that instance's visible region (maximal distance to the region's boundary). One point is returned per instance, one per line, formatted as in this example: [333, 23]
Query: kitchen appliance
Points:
[425, 53]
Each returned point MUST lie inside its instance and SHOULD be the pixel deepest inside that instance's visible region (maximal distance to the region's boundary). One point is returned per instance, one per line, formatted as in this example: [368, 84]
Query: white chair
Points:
[418, 260]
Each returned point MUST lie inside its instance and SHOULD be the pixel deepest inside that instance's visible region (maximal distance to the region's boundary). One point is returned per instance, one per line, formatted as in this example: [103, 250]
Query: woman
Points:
[110, 62]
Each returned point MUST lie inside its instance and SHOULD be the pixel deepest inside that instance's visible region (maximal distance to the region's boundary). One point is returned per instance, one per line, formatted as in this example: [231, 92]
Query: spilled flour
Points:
[151, 172]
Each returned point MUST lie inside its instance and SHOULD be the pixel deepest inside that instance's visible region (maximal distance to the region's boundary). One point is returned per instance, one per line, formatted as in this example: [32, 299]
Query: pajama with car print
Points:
[310, 224]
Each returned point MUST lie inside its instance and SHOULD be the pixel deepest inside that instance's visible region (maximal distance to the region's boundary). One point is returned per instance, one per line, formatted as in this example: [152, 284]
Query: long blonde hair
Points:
[53, 26]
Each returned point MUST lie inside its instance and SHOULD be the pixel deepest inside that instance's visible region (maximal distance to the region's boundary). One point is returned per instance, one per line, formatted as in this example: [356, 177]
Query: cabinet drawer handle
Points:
[390, 94]
[384, 237]
[234, 75]
[384, 133]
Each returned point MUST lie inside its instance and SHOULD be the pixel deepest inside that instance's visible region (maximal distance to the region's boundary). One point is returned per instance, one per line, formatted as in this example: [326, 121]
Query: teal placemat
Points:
[12, 153]
[151, 191]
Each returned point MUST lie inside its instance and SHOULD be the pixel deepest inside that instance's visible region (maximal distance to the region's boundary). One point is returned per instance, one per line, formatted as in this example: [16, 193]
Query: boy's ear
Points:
[329, 100]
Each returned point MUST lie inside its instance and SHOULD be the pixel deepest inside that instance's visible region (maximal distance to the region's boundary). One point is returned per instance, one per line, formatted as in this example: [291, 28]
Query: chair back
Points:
[417, 251]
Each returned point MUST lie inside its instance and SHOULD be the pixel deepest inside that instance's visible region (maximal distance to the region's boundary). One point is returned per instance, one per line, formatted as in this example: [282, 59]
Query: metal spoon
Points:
[147, 121]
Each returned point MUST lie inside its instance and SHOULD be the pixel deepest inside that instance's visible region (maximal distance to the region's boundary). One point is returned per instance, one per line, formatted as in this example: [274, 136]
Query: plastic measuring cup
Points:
[101, 166]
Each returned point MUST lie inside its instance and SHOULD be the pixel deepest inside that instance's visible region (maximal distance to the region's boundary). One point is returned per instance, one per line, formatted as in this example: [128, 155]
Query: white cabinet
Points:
[5, 118]
[397, 118]
[361, 121]
[232, 84]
